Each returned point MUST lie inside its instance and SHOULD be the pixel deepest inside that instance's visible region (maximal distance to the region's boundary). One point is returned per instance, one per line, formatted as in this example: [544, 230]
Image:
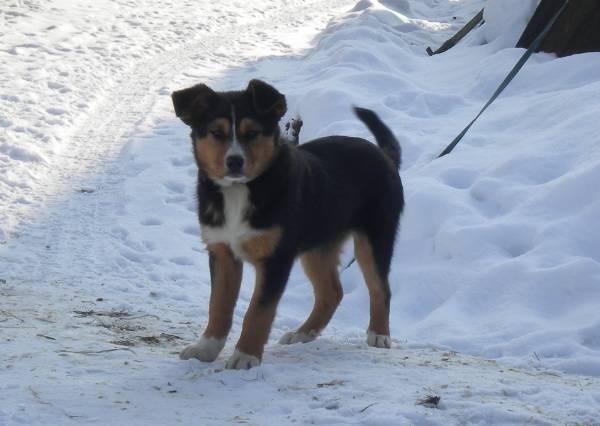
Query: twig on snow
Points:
[90, 352]
[45, 337]
[15, 326]
[11, 315]
[141, 316]
[37, 396]
[430, 401]
[334, 382]
[367, 407]
[123, 315]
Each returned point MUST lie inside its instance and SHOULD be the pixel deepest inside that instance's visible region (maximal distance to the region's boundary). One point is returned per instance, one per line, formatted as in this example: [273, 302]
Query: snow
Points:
[505, 20]
[104, 280]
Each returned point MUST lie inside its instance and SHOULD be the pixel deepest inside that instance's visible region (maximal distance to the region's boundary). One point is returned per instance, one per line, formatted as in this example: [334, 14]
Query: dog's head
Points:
[235, 134]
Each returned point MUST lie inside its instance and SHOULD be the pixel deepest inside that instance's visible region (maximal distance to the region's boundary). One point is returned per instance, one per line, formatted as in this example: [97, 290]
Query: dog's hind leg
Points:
[226, 277]
[320, 266]
[374, 257]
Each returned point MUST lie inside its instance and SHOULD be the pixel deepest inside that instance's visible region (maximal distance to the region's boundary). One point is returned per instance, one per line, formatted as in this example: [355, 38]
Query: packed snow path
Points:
[103, 278]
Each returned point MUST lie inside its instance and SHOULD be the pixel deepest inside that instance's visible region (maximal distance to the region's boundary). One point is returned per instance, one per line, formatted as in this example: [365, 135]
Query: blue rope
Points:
[534, 46]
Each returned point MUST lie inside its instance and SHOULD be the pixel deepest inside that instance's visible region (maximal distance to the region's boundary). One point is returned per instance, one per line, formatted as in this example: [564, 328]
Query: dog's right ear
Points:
[191, 103]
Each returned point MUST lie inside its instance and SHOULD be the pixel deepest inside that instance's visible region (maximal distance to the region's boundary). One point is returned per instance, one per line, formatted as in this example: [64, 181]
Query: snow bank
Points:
[505, 20]
[498, 253]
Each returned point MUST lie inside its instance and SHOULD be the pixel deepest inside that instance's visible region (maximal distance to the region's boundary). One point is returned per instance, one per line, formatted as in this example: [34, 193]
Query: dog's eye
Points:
[251, 134]
[217, 134]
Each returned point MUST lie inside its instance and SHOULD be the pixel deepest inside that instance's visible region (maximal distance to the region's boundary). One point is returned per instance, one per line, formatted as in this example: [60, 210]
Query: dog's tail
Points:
[383, 135]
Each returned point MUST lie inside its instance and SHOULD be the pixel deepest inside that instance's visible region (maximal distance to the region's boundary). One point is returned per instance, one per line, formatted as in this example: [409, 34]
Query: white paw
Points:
[378, 340]
[207, 349]
[296, 337]
[241, 361]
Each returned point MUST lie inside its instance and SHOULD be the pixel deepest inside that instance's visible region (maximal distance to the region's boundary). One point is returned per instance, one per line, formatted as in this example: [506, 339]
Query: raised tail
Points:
[383, 135]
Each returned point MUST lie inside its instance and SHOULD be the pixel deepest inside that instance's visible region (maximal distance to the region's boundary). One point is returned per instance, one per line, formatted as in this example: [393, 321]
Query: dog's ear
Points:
[266, 99]
[192, 102]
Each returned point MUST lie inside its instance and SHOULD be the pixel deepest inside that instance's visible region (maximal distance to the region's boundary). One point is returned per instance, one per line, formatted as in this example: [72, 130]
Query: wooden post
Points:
[458, 36]
[577, 30]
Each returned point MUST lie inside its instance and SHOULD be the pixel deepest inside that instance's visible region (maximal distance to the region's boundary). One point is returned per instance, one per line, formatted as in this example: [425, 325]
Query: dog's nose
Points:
[234, 163]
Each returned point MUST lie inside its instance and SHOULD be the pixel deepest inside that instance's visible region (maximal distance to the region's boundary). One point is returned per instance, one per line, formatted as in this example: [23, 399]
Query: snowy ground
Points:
[103, 279]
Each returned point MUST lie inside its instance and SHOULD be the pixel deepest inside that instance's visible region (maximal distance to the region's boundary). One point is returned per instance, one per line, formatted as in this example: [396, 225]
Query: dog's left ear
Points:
[266, 99]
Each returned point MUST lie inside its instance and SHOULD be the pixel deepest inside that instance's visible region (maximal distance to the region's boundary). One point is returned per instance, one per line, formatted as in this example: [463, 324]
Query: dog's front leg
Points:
[271, 278]
[225, 280]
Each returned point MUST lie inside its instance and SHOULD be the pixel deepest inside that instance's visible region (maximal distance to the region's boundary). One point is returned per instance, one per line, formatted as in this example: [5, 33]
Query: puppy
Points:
[267, 203]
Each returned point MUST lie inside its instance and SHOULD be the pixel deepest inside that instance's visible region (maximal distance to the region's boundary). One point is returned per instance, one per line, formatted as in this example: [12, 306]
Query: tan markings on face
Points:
[210, 151]
[259, 150]
[261, 246]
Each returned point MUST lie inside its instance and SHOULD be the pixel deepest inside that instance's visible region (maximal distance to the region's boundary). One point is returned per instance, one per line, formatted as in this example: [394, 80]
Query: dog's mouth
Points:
[235, 177]
[231, 178]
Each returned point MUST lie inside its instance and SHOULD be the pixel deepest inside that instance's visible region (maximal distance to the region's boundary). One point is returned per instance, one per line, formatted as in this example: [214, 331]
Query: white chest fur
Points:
[236, 229]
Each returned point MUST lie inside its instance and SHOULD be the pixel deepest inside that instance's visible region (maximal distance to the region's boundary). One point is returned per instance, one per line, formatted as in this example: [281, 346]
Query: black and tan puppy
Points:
[267, 203]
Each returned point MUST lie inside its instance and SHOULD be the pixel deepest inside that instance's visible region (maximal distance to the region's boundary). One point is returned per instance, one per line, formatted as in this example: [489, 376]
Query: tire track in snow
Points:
[66, 232]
